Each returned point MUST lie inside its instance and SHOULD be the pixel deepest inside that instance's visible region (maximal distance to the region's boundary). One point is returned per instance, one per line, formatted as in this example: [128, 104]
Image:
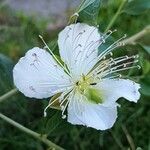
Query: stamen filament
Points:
[112, 47]
[54, 55]
[115, 68]
[122, 69]
[45, 113]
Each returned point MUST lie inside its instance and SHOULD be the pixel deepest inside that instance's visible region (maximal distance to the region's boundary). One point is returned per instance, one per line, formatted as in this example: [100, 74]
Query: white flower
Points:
[87, 82]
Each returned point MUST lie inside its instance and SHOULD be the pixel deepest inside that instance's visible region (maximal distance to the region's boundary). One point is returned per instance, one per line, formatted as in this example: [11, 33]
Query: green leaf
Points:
[146, 48]
[145, 84]
[85, 4]
[56, 125]
[88, 11]
[145, 64]
[54, 122]
[6, 66]
[136, 7]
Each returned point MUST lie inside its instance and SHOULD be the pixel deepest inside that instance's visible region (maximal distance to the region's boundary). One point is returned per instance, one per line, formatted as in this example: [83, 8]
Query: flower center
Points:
[83, 84]
[86, 87]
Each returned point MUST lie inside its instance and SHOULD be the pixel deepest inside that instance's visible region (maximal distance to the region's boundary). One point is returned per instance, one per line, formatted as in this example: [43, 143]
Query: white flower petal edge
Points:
[38, 75]
[98, 116]
[78, 47]
[113, 89]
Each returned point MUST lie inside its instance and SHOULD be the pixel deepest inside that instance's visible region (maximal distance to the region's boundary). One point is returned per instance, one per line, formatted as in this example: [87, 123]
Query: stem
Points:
[115, 16]
[117, 140]
[30, 132]
[8, 94]
[129, 138]
[132, 40]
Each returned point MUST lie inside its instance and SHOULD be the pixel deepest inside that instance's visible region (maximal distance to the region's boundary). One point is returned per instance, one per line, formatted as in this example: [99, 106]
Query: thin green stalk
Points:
[117, 140]
[133, 39]
[115, 16]
[32, 133]
[8, 94]
[129, 138]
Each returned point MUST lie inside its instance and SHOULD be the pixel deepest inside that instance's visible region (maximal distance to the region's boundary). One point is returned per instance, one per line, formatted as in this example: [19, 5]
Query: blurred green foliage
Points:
[18, 33]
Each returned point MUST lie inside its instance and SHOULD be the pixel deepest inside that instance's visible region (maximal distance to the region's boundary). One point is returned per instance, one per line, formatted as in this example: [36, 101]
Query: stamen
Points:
[122, 69]
[85, 46]
[121, 65]
[87, 55]
[63, 110]
[108, 33]
[63, 89]
[67, 36]
[109, 66]
[111, 54]
[75, 15]
[59, 99]
[112, 46]
[104, 58]
[64, 116]
[88, 44]
[79, 45]
[114, 76]
[78, 54]
[95, 42]
[53, 55]
[105, 64]
[101, 66]
[45, 113]
[61, 104]
[121, 59]
[76, 39]
[60, 86]
[63, 107]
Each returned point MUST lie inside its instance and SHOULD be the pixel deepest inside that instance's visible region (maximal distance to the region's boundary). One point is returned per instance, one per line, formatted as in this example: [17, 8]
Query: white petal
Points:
[78, 44]
[38, 75]
[83, 112]
[113, 89]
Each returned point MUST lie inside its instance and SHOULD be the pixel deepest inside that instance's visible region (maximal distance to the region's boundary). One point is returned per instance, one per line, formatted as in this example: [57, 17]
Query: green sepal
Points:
[56, 104]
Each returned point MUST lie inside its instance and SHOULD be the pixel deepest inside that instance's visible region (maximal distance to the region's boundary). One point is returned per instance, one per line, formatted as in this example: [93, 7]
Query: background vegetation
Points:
[19, 32]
